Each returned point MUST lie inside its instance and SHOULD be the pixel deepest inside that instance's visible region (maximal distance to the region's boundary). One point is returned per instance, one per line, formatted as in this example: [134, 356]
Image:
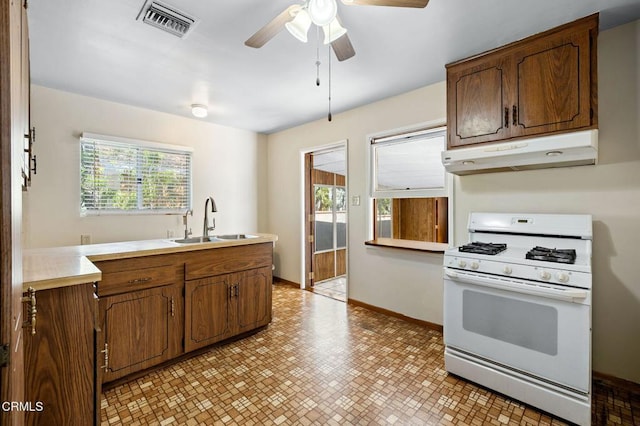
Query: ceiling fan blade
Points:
[270, 30]
[343, 48]
[393, 3]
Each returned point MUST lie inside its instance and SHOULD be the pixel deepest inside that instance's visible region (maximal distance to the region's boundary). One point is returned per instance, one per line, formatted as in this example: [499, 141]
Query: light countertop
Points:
[47, 268]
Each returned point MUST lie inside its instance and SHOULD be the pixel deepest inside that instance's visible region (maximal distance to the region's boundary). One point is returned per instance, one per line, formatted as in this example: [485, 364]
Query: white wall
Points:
[411, 283]
[401, 281]
[229, 164]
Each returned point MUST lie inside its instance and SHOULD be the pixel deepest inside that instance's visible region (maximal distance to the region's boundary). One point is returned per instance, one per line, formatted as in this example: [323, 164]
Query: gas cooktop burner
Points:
[552, 255]
[483, 248]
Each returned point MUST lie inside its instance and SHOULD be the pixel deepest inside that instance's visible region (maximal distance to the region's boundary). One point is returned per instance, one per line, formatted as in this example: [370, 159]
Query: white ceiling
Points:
[98, 48]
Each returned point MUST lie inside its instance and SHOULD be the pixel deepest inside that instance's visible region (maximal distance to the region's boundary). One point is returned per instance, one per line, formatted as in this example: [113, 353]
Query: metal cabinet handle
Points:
[506, 116]
[173, 307]
[515, 115]
[139, 280]
[32, 311]
[237, 286]
[105, 351]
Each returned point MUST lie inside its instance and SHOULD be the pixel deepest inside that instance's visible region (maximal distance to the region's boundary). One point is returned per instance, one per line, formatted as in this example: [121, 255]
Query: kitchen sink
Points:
[235, 236]
[194, 240]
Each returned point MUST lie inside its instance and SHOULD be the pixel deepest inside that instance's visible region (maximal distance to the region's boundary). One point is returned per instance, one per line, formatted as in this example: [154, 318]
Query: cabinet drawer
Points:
[125, 281]
[219, 261]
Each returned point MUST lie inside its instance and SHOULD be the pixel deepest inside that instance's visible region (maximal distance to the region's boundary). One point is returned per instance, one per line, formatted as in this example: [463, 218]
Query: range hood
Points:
[566, 149]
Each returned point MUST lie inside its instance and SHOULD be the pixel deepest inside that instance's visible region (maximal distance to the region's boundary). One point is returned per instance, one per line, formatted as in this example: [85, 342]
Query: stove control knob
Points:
[562, 277]
[507, 270]
[545, 275]
[462, 264]
[475, 265]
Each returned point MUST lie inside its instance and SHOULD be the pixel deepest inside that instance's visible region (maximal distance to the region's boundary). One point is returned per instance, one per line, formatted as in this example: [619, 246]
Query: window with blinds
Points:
[123, 176]
[409, 164]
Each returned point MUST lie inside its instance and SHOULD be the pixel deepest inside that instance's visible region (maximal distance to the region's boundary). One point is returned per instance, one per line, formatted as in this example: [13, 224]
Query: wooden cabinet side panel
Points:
[59, 358]
[226, 260]
[206, 311]
[253, 298]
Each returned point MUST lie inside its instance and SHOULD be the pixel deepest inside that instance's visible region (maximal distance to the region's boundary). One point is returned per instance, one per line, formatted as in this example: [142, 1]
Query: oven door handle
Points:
[568, 295]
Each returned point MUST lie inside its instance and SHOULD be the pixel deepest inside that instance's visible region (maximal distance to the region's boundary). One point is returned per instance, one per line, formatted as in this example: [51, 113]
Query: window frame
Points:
[447, 191]
[138, 145]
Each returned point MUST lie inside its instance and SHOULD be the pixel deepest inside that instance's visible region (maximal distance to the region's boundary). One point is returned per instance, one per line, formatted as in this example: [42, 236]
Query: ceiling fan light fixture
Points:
[299, 26]
[333, 31]
[199, 110]
[322, 12]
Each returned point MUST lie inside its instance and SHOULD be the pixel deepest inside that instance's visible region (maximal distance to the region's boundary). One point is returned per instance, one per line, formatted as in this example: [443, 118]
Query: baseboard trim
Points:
[282, 281]
[617, 382]
[431, 325]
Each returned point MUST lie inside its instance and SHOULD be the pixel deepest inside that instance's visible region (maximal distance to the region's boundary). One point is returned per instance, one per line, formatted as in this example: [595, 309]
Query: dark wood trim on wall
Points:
[617, 382]
[282, 281]
[427, 324]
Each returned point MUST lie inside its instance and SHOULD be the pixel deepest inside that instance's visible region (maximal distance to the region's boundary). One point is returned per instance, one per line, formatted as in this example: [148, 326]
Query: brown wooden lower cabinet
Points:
[60, 358]
[223, 306]
[140, 329]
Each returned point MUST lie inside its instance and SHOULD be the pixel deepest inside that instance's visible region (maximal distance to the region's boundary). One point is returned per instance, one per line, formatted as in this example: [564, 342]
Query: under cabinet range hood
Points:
[566, 149]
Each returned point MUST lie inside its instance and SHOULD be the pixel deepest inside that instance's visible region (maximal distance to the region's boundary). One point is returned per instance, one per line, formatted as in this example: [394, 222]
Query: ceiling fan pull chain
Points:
[329, 116]
[317, 56]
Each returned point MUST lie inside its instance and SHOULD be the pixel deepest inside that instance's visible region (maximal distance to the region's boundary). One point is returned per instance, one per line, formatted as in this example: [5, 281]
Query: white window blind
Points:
[123, 176]
[409, 165]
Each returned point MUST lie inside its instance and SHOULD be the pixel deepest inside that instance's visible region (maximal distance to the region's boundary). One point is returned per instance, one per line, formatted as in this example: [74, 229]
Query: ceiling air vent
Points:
[166, 18]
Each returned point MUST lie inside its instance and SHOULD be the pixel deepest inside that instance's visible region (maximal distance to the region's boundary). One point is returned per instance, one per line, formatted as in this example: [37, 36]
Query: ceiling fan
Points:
[298, 18]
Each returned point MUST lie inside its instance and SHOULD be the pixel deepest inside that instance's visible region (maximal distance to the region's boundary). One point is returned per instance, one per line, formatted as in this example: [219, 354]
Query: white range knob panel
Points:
[545, 274]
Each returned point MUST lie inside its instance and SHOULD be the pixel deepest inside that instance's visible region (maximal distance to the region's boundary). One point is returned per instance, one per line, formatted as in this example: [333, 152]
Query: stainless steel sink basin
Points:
[235, 236]
[194, 240]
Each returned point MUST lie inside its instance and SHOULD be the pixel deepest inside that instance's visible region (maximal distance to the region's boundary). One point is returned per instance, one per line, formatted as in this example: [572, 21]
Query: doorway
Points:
[326, 222]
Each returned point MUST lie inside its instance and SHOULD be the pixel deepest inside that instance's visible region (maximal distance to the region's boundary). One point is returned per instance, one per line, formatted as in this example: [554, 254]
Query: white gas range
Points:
[517, 309]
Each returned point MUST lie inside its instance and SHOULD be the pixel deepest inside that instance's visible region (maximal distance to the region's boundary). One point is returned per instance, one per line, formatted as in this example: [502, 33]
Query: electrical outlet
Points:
[169, 233]
[355, 200]
[85, 239]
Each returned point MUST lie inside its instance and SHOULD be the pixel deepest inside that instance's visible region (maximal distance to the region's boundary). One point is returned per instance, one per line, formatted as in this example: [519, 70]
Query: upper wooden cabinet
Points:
[543, 84]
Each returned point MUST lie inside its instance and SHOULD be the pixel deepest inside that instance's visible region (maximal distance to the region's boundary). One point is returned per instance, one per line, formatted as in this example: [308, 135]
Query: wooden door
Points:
[553, 84]
[253, 298]
[207, 311]
[60, 358]
[141, 329]
[478, 104]
[12, 125]
[309, 222]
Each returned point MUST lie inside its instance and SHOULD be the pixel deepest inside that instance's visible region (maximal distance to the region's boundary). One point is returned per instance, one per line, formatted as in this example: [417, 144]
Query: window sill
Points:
[408, 245]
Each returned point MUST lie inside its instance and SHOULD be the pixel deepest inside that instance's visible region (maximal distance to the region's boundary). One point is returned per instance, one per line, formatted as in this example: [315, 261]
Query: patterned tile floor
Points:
[335, 288]
[324, 362]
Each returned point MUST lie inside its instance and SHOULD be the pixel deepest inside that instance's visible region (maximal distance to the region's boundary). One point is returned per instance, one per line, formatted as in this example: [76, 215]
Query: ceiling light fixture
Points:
[323, 13]
[199, 110]
[299, 27]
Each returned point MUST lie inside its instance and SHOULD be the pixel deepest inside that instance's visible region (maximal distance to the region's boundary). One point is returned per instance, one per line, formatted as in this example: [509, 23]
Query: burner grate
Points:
[552, 255]
[490, 249]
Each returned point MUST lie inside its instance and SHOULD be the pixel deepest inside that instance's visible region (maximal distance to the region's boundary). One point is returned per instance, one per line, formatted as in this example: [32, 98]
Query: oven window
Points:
[530, 325]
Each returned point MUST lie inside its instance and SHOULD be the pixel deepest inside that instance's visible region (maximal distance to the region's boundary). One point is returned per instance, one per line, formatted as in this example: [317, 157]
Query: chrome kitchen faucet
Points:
[206, 228]
[187, 230]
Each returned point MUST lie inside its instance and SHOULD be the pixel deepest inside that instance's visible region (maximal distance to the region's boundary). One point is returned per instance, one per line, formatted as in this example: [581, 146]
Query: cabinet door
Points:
[553, 84]
[59, 358]
[207, 311]
[478, 101]
[253, 299]
[141, 329]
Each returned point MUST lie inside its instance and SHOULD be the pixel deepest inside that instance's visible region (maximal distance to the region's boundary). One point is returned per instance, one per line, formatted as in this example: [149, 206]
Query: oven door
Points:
[541, 330]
